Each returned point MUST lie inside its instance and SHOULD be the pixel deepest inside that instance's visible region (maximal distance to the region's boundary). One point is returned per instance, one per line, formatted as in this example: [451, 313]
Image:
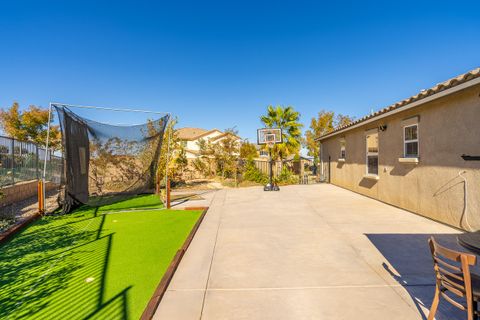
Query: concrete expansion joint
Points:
[220, 206]
[303, 288]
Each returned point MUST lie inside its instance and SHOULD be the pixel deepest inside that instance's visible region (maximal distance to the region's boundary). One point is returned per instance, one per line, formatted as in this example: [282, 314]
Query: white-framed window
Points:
[343, 147]
[372, 153]
[263, 153]
[410, 141]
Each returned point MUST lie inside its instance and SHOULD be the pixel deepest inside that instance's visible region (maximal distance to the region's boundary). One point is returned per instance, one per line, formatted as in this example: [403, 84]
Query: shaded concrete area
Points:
[307, 252]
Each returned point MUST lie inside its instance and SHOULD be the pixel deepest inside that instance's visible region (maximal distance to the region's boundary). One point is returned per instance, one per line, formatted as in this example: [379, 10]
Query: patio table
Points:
[470, 241]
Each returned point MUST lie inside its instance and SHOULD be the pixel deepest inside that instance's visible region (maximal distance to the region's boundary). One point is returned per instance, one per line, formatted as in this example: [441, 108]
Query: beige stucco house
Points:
[421, 154]
[190, 138]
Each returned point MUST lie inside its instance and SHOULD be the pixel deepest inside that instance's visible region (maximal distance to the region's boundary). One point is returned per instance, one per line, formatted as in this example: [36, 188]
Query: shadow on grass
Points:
[410, 264]
[56, 269]
[126, 201]
[117, 202]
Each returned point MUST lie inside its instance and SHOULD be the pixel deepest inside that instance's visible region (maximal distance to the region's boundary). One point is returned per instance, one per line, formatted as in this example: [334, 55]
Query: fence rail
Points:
[23, 161]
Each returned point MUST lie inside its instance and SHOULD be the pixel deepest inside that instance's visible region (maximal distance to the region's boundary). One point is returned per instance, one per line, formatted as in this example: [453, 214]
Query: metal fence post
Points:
[12, 165]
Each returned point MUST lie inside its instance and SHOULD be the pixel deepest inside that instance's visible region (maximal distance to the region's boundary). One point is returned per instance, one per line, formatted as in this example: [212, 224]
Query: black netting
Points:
[106, 163]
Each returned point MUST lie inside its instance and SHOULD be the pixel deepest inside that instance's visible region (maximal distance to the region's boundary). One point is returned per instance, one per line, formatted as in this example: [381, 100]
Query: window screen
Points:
[372, 164]
[343, 145]
[372, 153]
[411, 141]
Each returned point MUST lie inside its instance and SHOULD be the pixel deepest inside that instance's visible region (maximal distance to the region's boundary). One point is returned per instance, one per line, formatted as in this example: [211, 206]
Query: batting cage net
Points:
[106, 163]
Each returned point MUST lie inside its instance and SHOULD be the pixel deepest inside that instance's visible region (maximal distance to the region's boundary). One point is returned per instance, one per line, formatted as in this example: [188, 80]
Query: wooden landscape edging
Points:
[167, 277]
[17, 227]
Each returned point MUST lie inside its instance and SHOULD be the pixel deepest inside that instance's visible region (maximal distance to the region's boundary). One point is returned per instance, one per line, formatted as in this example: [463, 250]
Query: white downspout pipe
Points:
[465, 198]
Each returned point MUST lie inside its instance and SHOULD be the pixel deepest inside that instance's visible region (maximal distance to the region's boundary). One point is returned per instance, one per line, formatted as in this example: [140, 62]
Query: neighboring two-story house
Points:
[191, 137]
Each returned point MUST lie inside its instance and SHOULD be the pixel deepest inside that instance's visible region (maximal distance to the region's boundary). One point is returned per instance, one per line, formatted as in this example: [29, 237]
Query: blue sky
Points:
[219, 64]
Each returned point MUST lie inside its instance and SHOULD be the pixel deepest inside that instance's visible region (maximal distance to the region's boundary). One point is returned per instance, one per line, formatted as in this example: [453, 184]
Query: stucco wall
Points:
[448, 128]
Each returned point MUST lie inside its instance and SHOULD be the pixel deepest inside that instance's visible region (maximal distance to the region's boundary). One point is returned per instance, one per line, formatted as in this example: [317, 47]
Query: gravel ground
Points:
[15, 212]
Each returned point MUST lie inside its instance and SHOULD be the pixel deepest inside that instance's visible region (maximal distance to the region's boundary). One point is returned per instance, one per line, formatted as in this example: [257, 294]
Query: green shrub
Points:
[253, 174]
[286, 177]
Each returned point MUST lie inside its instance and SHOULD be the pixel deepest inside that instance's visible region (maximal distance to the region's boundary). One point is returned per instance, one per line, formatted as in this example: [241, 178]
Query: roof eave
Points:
[408, 106]
[206, 134]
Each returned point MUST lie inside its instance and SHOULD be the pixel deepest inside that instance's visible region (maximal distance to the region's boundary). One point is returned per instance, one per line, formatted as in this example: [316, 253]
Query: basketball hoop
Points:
[270, 137]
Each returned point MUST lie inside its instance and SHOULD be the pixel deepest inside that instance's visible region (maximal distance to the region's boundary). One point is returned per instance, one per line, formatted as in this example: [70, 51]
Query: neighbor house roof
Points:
[224, 135]
[190, 133]
[197, 133]
[422, 95]
[207, 133]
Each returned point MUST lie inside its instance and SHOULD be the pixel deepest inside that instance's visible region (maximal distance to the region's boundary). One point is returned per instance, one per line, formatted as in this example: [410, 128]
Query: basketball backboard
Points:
[269, 136]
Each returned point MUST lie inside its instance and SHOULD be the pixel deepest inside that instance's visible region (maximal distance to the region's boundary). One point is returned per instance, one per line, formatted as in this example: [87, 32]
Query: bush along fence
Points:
[284, 172]
[22, 161]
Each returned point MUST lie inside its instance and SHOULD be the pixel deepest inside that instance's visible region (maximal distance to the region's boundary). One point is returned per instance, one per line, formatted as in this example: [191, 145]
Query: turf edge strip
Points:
[19, 226]
[16, 228]
[157, 296]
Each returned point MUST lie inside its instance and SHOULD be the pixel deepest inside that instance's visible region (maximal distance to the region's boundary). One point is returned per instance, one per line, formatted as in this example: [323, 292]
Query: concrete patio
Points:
[307, 252]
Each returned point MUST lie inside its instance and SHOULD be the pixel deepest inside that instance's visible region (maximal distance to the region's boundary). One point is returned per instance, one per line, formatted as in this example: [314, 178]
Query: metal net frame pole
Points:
[42, 192]
[109, 109]
[167, 162]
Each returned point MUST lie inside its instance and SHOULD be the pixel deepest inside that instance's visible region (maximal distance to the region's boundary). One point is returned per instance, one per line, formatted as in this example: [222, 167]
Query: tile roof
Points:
[206, 133]
[450, 83]
[190, 133]
[224, 135]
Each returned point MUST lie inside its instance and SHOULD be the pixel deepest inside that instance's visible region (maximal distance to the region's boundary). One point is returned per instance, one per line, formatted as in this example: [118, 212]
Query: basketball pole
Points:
[270, 137]
[271, 166]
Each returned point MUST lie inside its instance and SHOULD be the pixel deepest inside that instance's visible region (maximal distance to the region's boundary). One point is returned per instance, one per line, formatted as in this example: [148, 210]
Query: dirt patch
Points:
[20, 210]
[213, 184]
[185, 196]
[199, 184]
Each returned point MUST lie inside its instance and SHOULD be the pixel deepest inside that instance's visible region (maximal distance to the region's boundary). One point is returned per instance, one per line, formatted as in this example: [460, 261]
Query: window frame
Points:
[372, 154]
[263, 153]
[405, 141]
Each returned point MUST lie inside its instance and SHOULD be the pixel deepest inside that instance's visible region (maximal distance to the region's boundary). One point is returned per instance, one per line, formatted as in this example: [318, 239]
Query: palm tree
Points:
[287, 119]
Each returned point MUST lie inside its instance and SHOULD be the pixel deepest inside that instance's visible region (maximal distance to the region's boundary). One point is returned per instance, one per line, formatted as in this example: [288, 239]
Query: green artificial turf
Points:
[141, 202]
[90, 265]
